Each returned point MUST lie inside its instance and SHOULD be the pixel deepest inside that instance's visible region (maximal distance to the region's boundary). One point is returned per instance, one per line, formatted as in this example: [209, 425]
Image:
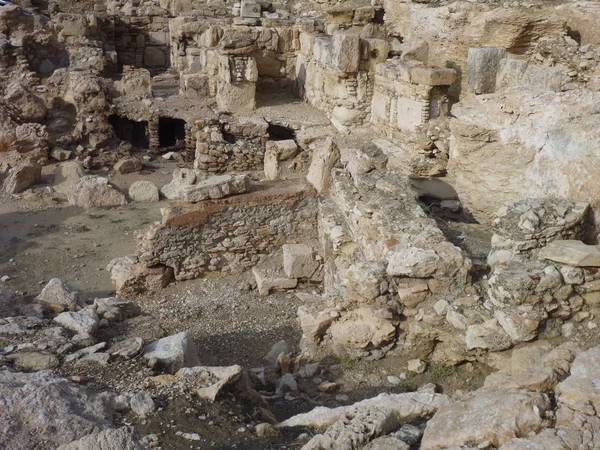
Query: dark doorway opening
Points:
[136, 133]
[171, 131]
[280, 133]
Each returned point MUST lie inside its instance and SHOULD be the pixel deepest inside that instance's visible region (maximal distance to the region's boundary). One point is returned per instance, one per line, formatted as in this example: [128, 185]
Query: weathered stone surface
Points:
[387, 443]
[355, 429]
[573, 253]
[65, 176]
[128, 165]
[127, 348]
[362, 329]
[34, 361]
[299, 260]
[142, 404]
[483, 66]
[143, 191]
[93, 192]
[406, 407]
[345, 51]
[81, 322]
[22, 176]
[488, 335]
[57, 296]
[181, 179]
[495, 153]
[43, 409]
[173, 352]
[270, 278]
[216, 187]
[114, 308]
[124, 438]
[325, 157]
[131, 277]
[486, 415]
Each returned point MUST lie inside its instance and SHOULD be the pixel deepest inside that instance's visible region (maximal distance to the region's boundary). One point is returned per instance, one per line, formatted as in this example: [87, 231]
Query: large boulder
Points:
[22, 176]
[65, 176]
[490, 415]
[91, 191]
[43, 410]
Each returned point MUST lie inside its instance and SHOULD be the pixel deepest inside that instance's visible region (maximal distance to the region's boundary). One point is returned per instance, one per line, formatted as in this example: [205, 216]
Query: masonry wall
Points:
[231, 234]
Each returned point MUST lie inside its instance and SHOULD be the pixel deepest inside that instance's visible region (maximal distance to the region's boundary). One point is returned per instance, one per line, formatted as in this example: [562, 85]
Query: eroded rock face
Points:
[506, 148]
[486, 415]
[43, 407]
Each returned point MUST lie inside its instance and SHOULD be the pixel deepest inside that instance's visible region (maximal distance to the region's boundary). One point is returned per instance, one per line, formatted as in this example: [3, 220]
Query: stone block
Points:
[510, 72]
[432, 76]
[345, 52]
[322, 49]
[250, 10]
[154, 57]
[571, 252]
[238, 98]
[324, 158]
[409, 114]
[216, 187]
[269, 278]
[299, 261]
[483, 64]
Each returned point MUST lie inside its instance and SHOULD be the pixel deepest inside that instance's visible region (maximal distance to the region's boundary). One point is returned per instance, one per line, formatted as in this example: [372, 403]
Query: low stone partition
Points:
[230, 144]
[230, 234]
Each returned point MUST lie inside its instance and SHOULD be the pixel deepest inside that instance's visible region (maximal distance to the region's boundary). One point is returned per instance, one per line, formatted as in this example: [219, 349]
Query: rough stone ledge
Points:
[185, 214]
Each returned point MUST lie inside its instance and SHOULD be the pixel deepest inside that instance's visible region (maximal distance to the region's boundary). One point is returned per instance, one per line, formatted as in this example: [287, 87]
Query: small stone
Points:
[416, 366]
[144, 191]
[266, 430]
[142, 404]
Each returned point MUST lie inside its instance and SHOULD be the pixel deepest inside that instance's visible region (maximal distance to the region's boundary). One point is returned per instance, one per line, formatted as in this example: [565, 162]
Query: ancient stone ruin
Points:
[300, 224]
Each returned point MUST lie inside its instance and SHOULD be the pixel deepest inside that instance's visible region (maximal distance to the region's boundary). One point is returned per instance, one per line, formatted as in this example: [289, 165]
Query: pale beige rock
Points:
[324, 158]
[573, 253]
[216, 187]
[406, 407]
[361, 329]
[173, 352]
[512, 146]
[91, 191]
[65, 176]
[299, 260]
[123, 438]
[487, 415]
[144, 191]
[181, 179]
[22, 176]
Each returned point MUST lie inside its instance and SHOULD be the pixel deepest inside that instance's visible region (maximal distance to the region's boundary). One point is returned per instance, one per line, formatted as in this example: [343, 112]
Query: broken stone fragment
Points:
[173, 352]
[57, 296]
[128, 165]
[142, 404]
[22, 176]
[33, 361]
[216, 187]
[127, 348]
[131, 277]
[81, 322]
[181, 179]
[324, 157]
[488, 335]
[91, 191]
[483, 64]
[571, 252]
[299, 261]
[113, 308]
[362, 329]
[65, 176]
[143, 191]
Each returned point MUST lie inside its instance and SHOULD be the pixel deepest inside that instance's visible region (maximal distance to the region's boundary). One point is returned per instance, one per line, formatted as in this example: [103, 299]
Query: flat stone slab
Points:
[573, 253]
[216, 187]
